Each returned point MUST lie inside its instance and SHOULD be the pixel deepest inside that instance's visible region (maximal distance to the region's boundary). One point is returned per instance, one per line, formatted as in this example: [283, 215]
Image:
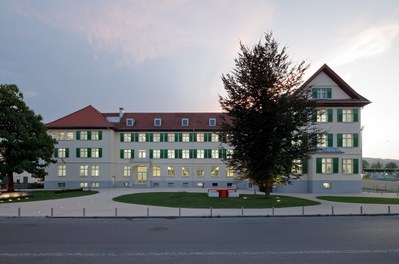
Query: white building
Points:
[183, 149]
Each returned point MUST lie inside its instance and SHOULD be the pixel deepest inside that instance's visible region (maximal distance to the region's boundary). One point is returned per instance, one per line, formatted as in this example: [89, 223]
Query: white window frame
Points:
[185, 122]
[171, 171]
[212, 121]
[127, 171]
[156, 137]
[142, 137]
[95, 170]
[142, 154]
[185, 171]
[156, 171]
[84, 170]
[186, 137]
[347, 166]
[130, 122]
[157, 122]
[61, 171]
[171, 153]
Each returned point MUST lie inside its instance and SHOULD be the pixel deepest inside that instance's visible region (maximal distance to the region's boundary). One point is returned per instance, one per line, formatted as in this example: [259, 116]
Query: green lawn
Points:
[48, 195]
[201, 200]
[363, 200]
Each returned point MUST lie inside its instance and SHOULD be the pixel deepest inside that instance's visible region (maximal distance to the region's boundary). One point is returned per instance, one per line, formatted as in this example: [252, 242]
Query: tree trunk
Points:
[10, 182]
[267, 187]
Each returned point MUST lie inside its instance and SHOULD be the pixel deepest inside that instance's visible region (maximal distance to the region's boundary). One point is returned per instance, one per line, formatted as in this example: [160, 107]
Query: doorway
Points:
[141, 174]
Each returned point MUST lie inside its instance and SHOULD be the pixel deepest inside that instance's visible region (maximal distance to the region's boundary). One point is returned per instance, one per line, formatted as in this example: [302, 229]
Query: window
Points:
[127, 137]
[200, 153]
[184, 122]
[96, 153]
[156, 137]
[95, 185]
[171, 153]
[142, 154]
[215, 153]
[215, 171]
[157, 121]
[347, 140]
[142, 137]
[61, 170]
[200, 137]
[229, 172]
[83, 135]
[130, 122]
[171, 171]
[297, 168]
[212, 121]
[186, 137]
[62, 153]
[60, 136]
[322, 116]
[69, 135]
[156, 154]
[185, 172]
[327, 185]
[95, 135]
[229, 153]
[95, 170]
[321, 93]
[215, 137]
[322, 141]
[326, 165]
[347, 166]
[156, 171]
[186, 154]
[171, 137]
[126, 154]
[61, 185]
[84, 170]
[200, 171]
[84, 185]
[126, 171]
[83, 153]
[347, 115]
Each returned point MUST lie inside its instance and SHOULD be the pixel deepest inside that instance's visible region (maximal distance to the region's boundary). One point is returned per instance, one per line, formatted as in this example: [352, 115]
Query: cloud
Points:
[367, 44]
[138, 31]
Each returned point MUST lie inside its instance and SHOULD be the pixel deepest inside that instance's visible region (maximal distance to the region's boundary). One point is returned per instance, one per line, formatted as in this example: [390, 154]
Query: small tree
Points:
[270, 122]
[366, 165]
[377, 165]
[391, 165]
[24, 142]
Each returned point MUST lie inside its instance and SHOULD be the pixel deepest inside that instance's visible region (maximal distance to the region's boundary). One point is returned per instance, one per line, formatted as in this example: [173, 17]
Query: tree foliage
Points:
[270, 122]
[24, 142]
[391, 165]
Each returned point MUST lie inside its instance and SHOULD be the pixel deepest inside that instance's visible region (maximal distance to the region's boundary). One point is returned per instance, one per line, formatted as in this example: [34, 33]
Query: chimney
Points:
[121, 112]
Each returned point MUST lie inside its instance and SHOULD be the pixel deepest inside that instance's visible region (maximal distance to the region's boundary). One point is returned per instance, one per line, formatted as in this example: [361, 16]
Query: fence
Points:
[380, 186]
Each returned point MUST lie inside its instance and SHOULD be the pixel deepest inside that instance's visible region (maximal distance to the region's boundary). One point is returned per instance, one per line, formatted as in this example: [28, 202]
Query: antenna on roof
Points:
[121, 112]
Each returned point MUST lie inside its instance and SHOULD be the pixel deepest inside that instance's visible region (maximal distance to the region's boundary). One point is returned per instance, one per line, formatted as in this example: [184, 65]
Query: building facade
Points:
[104, 150]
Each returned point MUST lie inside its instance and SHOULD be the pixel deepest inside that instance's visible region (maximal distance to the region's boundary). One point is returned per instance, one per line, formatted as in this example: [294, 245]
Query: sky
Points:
[169, 55]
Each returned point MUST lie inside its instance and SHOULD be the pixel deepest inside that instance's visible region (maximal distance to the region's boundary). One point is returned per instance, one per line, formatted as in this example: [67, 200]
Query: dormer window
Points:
[130, 122]
[157, 121]
[321, 93]
[184, 122]
[212, 121]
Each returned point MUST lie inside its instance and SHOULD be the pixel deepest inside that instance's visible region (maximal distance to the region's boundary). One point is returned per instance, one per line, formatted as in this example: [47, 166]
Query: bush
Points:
[69, 190]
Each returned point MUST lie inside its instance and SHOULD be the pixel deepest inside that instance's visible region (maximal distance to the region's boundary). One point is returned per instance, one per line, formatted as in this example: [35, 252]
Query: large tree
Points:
[24, 142]
[270, 122]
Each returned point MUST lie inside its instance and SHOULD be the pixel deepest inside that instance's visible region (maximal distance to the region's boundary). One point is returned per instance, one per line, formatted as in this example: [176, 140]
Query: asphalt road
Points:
[201, 240]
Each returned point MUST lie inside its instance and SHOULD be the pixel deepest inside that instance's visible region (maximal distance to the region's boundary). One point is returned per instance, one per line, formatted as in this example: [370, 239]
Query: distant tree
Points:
[24, 142]
[270, 122]
[391, 165]
[366, 165]
[377, 165]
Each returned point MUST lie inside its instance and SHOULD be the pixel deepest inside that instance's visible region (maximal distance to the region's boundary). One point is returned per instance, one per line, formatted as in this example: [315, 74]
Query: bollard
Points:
[84, 212]
[389, 209]
[19, 211]
[242, 211]
[303, 210]
[272, 210]
[332, 210]
[179, 211]
[116, 212]
[148, 211]
[361, 210]
[52, 212]
[211, 211]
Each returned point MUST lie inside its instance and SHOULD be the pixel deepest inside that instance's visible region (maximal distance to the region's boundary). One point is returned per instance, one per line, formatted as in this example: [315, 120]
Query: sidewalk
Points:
[101, 205]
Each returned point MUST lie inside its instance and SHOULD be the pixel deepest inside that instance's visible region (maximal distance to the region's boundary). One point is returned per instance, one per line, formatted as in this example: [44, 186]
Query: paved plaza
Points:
[101, 205]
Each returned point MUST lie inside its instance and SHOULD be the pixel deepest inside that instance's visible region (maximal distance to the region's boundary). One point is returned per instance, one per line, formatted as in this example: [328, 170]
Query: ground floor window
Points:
[95, 185]
[84, 185]
[327, 185]
[156, 171]
[200, 171]
[62, 170]
[215, 171]
[171, 171]
[185, 171]
[126, 171]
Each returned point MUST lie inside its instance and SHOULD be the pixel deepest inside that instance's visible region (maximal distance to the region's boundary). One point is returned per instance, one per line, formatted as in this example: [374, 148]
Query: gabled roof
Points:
[355, 98]
[87, 117]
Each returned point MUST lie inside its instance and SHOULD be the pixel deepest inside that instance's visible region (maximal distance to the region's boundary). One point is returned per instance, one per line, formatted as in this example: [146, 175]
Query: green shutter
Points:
[55, 152]
[355, 140]
[314, 93]
[132, 153]
[100, 135]
[330, 115]
[164, 153]
[193, 153]
[121, 154]
[304, 166]
[330, 140]
[335, 165]
[162, 137]
[339, 140]
[339, 115]
[314, 115]
[179, 154]
[355, 115]
[165, 136]
[77, 135]
[147, 137]
[180, 137]
[151, 153]
[89, 152]
[78, 152]
[136, 137]
[122, 135]
[207, 153]
[88, 135]
[318, 165]
[176, 153]
[329, 93]
[222, 153]
[67, 153]
[100, 152]
[151, 137]
[193, 137]
[355, 166]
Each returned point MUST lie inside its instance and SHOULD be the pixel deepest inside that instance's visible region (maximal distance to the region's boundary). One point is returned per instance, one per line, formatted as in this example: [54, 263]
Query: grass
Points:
[48, 195]
[201, 200]
[363, 200]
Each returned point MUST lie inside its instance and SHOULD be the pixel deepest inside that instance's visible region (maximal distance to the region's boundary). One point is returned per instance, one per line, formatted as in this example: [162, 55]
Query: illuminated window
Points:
[171, 171]
[84, 185]
[200, 171]
[156, 154]
[215, 137]
[347, 115]
[142, 154]
[156, 137]
[322, 116]
[83, 135]
[185, 172]
[171, 153]
[126, 171]
[212, 121]
[62, 152]
[84, 170]
[156, 171]
[61, 136]
[95, 135]
[326, 165]
[69, 136]
[157, 121]
[62, 170]
[229, 172]
[127, 137]
[186, 137]
[215, 171]
[185, 153]
[95, 152]
[95, 185]
[142, 137]
[322, 140]
[127, 154]
[347, 140]
[200, 137]
[184, 122]
[200, 153]
[95, 170]
[327, 185]
[171, 137]
[347, 166]
[215, 153]
[83, 152]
